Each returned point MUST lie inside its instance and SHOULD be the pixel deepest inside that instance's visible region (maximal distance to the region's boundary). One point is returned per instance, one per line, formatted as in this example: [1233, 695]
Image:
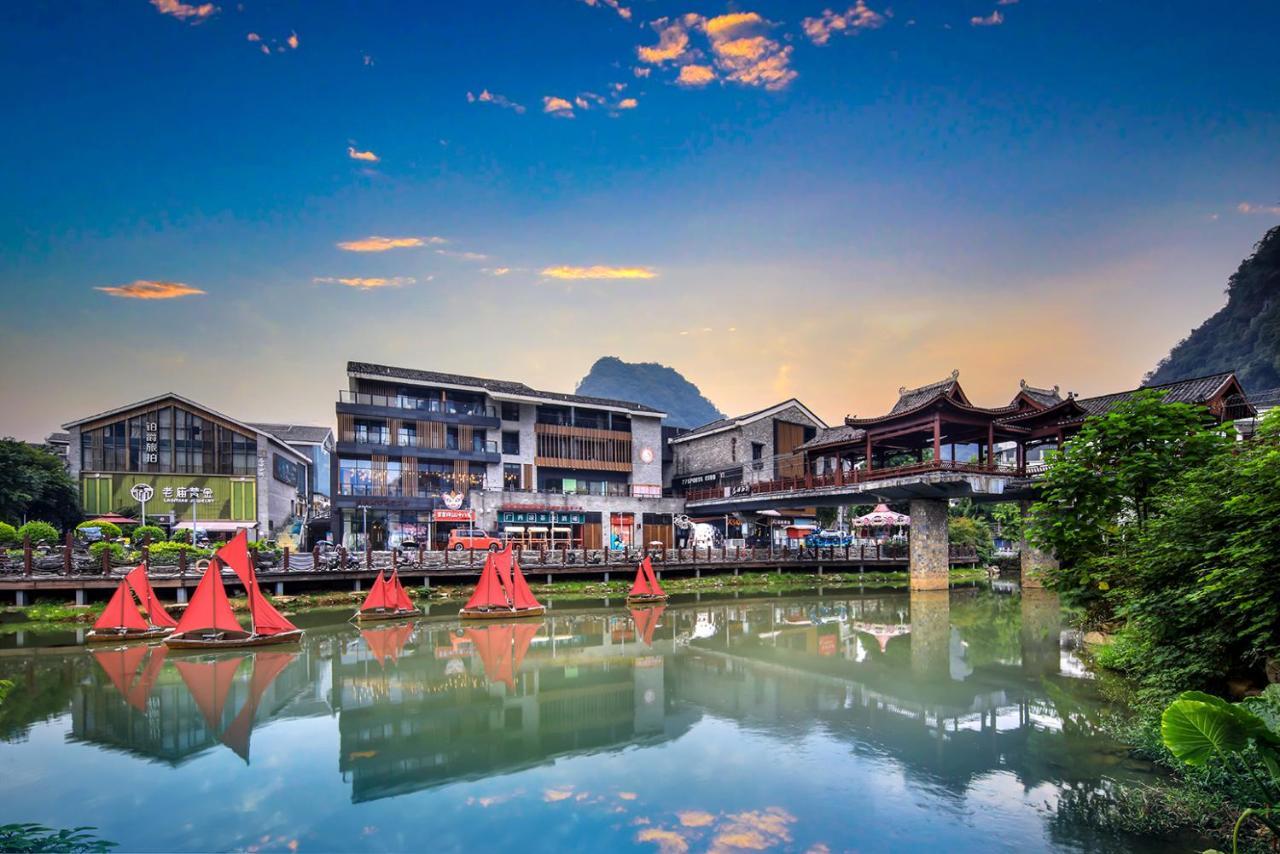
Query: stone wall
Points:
[715, 451]
[646, 433]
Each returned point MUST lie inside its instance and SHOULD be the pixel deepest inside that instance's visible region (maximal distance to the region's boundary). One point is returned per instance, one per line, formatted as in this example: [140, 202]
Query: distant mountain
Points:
[1245, 335]
[653, 385]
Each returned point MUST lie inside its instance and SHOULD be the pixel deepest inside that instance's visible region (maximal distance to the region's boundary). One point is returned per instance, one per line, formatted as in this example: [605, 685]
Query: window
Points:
[355, 477]
[510, 412]
[407, 436]
[511, 442]
[757, 450]
[733, 450]
[372, 433]
[511, 476]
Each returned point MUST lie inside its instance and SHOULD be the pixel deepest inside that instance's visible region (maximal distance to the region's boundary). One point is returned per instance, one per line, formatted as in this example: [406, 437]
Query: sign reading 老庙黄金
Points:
[215, 497]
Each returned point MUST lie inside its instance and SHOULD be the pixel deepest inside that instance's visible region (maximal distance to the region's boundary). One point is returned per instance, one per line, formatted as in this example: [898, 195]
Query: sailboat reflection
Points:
[646, 620]
[387, 644]
[228, 700]
[502, 649]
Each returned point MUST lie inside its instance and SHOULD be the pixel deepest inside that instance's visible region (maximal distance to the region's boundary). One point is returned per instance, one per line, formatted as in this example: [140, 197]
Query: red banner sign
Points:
[454, 515]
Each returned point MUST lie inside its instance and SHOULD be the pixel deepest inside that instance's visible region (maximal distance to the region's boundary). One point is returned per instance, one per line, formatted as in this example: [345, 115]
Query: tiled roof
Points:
[1042, 396]
[910, 398]
[305, 433]
[500, 387]
[833, 436]
[1196, 390]
[722, 423]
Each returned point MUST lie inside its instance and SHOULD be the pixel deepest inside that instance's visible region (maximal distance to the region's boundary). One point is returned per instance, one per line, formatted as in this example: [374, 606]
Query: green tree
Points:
[8, 535]
[39, 532]
[972, 531]
[35, 484]
[1007, 519]
[110, 530]
[140, 533]
[1096, 496]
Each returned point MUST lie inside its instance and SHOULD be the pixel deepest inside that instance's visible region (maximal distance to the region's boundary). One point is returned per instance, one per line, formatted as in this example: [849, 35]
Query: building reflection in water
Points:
[951, 685]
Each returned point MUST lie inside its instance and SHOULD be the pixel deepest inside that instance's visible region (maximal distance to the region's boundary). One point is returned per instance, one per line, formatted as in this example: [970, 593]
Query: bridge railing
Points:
[840, 477]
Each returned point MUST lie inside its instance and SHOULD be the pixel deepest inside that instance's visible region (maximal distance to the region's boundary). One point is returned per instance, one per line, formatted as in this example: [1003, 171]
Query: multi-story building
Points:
[421, 453]
[190, 460]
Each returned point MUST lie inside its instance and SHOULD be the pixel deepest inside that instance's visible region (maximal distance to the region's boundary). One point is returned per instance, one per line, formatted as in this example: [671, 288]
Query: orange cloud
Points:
[365, 284]
[487, 97]
[673, 41]
[292, 41]
[183, 11]
[623, 12]
[558, 107]
[498, 271]
[599, 271]
[695, 818]
[553, 795]
[144, 289]
[723, 26]
[253, 37]
[628, 104]
[1248, 208]
[995, 19]
[382, 244]
[755, 830]
[695, 75]
[668, 841]
[855, 19]
[361, 155]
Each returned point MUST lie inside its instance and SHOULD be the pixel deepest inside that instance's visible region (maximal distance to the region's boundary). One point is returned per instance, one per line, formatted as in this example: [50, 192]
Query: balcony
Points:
[418, 408]
[601, 490]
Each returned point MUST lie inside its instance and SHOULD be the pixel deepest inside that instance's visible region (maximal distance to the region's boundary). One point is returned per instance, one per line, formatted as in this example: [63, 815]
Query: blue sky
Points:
[826, 201]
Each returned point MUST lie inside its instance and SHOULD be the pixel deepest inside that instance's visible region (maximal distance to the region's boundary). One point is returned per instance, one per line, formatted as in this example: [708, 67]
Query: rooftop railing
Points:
[417, 404]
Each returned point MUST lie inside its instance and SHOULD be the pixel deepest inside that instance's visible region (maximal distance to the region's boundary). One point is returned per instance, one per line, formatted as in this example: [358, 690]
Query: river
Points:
[835, 720]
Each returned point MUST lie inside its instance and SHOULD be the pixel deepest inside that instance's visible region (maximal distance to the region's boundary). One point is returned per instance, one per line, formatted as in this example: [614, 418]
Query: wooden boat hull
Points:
[500, 613]
[234, 642]
[646, 600]
[125, 637]
[368, 616]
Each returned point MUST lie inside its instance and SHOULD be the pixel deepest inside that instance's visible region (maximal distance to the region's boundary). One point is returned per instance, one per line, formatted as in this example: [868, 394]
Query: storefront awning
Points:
[217, 525]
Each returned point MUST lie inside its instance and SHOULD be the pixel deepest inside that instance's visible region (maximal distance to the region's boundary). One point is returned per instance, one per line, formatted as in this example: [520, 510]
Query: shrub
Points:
[39, 532]
[110, 530]
[117, 551]
[167, 553]
[181, 535]
[139, 535]
[8, 535]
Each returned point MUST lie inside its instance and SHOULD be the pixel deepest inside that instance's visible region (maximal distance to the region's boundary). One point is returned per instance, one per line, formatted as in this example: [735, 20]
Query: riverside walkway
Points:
[66, 574]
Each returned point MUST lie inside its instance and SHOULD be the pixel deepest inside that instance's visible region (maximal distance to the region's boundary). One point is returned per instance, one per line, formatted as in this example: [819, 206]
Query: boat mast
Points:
[248, 589]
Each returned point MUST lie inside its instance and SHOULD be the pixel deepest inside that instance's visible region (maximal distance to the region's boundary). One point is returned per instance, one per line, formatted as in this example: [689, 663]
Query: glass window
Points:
[510, 476]
[510, 412]
[408, 436]
[355, 477]
[511, 442]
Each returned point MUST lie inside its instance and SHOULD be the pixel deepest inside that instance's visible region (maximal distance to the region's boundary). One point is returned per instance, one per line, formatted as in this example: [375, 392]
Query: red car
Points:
[461, 539]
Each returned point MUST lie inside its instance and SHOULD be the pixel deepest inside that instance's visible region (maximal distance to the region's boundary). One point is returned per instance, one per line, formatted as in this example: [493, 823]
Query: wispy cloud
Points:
[558, 107]
[995, 19]
[628, 104]
[365, 284]
[695, 75]
[368, 156]
[1250, 208]
[374, 243]
[145, 289]
[741, 50]
[852, 21]
[487, 97]
[599, 271]
[184, 11]
[497, 271]
[623, 12]
[290, 43]
[465, 256]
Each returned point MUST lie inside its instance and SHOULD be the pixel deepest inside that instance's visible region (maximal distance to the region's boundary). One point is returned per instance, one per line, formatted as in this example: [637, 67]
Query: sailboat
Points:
[387, 600]
[122, 621]
[646, 587]
[502, 592]
[386, 644]
[646, 620]
[502, 649]
[209, 623]
[121, 667]
[210, 679]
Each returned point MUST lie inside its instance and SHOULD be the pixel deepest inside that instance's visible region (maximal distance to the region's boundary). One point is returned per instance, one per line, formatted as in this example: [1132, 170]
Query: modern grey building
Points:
[422, 452]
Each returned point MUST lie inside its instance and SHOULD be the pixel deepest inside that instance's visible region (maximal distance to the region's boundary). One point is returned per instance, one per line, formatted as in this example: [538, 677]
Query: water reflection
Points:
[949, 688]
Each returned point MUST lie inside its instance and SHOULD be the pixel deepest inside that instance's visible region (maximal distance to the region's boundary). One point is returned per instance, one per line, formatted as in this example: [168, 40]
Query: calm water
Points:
[851, 720]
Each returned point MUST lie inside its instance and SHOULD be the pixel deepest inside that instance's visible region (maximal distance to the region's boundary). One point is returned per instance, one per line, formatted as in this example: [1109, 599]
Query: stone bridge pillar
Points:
[930, 552]
[1033, 560]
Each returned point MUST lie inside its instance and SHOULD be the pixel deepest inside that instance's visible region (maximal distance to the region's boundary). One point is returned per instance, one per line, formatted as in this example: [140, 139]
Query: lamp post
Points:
[193, 522]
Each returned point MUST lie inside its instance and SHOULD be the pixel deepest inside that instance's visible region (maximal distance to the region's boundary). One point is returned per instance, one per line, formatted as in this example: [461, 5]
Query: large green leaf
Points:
[1195, 730]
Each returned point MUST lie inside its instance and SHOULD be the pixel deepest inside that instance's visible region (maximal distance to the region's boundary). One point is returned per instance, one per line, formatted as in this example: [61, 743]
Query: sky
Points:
[230, 200]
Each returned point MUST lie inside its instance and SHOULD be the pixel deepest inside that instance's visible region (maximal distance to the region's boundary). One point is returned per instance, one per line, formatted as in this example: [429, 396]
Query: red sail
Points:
[235, 554]
[399, 598]
[494, 645]
[377, 597]
[502, 563]
[121, 664]
[646, 620]
[521, 595]
[641, 586]
[387, 644]
[654, 587]
[489, 592]
[121, 612]
[141, 689]
[209, 608]
[267, 666]
[156, 614]
[209, 683]
[266, 619]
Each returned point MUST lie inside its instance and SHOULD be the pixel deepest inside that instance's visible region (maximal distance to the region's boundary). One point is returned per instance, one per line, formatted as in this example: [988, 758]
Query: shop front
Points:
[215, 505]
[446, 519]
[546, 528]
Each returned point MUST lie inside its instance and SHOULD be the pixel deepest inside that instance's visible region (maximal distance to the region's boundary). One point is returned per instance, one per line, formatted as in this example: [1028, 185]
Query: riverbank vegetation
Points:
[1168, 532]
